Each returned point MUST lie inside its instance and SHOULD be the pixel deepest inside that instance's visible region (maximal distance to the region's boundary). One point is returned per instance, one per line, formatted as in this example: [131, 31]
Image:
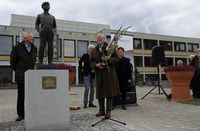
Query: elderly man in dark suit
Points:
[46, 26]
[22, 58]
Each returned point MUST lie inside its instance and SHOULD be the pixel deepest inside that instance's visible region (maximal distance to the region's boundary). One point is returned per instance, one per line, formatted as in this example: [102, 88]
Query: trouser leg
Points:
[108, 104]
[87, 86]
[114, 102]
[101, 105]
[123, 96]
[20, 99]
[92, 81]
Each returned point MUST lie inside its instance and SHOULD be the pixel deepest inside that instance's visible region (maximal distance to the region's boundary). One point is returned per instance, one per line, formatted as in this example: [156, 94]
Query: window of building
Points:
[168, 61]
[81, 47]
[179, 46]
[164, 77]
[36, 42]
[56, 47]
[60, 47]
[17, 39]
[137, 43]
[138, 61]
[150, 79]
[192, 47]
[69, 48]
[148, 61]
[149, 44]
[166, 44]
[108, 38]
[6, 43]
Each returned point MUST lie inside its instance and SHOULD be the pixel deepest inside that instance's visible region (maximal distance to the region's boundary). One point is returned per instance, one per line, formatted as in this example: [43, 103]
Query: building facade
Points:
[74, 37]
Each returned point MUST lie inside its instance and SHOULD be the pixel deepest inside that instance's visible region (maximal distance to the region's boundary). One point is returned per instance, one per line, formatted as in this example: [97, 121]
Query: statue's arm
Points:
[37, 23]
[54, 25]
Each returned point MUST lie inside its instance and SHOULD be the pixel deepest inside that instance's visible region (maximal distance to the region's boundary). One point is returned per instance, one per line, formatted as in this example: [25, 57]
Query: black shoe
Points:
[194, 96]
[113, 107]
[19, 118]
[169, 97]
[85, 106]
[92, 105]
[123, 107]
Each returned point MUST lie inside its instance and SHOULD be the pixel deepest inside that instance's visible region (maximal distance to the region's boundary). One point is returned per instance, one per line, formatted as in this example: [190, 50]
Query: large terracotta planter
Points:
[180, 84]
[72, 75]
[71, 69]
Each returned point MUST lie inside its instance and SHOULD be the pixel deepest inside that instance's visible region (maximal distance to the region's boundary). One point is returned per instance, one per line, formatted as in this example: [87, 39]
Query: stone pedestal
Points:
[46, 100]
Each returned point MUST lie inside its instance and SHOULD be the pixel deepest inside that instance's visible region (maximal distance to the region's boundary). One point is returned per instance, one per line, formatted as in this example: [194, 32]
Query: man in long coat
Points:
[106, 79]
[22, 58]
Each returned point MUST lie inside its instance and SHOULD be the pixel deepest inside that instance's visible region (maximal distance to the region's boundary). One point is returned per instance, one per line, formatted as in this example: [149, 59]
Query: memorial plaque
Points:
[48, 82]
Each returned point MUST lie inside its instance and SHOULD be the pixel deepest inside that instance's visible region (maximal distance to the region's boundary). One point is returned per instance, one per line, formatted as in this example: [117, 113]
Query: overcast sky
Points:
[168, 17]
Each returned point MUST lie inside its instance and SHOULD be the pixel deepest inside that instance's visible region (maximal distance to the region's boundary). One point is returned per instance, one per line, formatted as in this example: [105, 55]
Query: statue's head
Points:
[45, 6]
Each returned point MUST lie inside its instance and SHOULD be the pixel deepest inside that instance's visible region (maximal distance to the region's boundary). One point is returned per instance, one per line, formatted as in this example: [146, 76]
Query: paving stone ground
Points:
[154, 113]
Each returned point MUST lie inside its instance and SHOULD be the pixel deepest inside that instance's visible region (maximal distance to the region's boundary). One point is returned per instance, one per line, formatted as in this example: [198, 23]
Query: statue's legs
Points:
[50, 47]
[42, 46]
[46, 37]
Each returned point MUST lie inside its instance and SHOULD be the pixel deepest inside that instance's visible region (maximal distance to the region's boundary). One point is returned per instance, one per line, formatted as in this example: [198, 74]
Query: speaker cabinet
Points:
[131, 98]
[158, 55]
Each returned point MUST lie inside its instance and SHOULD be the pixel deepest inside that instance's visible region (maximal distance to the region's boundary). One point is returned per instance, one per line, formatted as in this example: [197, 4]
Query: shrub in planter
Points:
[179, 68]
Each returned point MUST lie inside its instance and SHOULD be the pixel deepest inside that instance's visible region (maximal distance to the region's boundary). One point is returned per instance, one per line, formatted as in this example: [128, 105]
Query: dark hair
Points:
[45, 3]
[120, 48]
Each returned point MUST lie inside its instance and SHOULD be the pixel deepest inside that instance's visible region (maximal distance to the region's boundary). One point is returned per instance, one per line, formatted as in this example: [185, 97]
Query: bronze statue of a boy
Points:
[46, 26]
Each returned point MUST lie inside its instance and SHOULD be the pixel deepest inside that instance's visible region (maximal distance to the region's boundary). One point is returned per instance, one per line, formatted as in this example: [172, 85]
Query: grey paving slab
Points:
[154, 113]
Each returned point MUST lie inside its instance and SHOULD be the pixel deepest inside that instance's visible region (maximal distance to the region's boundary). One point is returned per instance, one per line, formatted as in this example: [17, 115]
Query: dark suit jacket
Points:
[21, 60]
[195, 62]
[85, 60]
[45, 22]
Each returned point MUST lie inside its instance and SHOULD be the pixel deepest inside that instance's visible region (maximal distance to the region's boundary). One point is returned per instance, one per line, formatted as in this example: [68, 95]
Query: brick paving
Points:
[154, 113]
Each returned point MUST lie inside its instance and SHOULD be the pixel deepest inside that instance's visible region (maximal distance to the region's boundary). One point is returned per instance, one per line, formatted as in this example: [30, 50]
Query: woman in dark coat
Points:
[124, 74]
[195, 83]
[106, 77]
